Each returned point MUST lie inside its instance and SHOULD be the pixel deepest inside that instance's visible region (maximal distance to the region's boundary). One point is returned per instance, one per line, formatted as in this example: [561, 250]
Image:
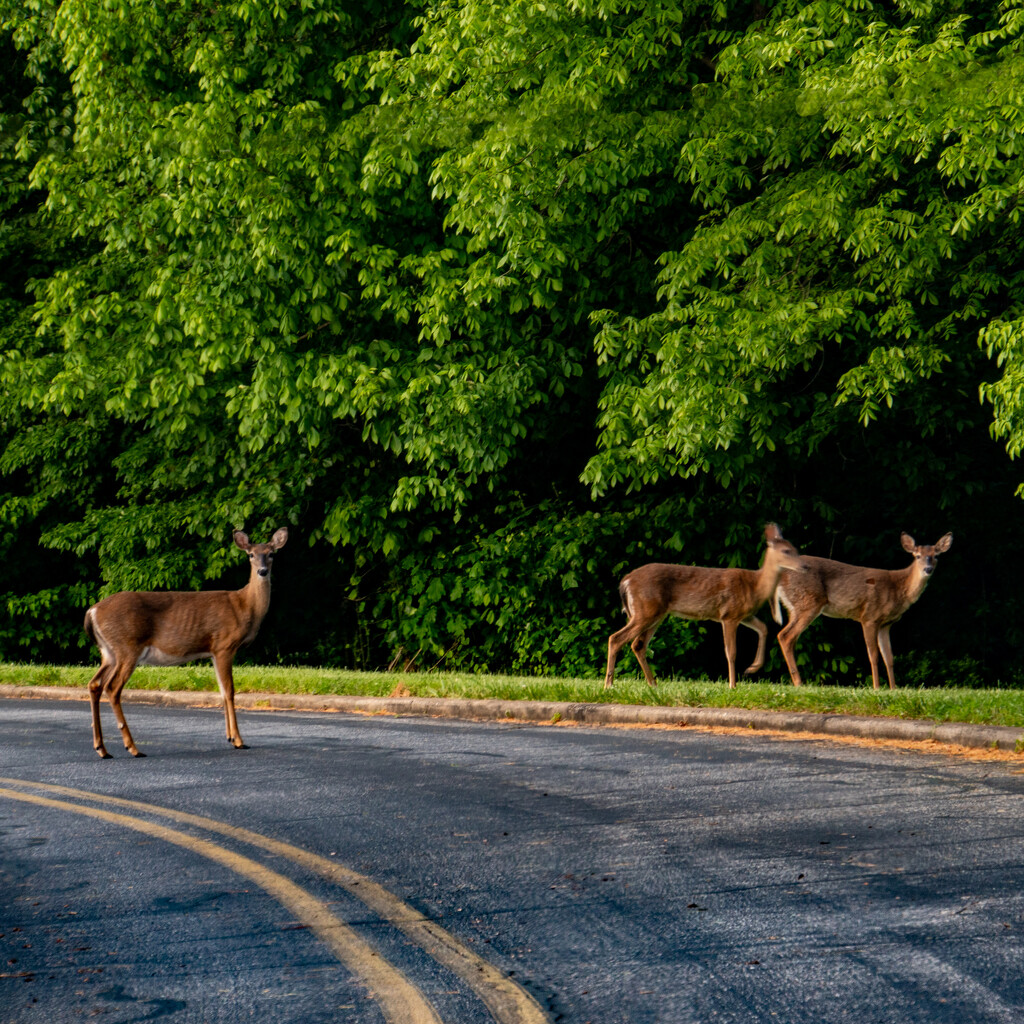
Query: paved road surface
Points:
[410, 869]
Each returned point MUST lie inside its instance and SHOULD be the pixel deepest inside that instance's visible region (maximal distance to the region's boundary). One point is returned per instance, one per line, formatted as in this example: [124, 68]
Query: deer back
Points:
[177, 625]
[689, 591]
[851, 591]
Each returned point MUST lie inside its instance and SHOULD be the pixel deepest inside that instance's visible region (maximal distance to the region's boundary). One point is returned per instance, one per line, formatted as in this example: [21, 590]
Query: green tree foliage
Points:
[859, 180]
[493, 300]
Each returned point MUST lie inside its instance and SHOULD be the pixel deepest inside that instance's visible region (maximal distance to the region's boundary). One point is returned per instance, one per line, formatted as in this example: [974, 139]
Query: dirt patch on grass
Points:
[910, 746]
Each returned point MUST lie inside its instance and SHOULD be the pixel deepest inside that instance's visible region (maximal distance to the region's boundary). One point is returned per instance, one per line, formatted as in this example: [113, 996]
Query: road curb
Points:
[867, 726]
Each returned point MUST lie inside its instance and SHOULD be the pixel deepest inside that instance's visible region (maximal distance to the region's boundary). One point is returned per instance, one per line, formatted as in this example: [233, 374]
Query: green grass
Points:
[943, 704]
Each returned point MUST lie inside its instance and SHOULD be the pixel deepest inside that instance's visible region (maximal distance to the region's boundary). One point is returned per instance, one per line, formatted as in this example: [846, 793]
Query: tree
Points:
[859, 182]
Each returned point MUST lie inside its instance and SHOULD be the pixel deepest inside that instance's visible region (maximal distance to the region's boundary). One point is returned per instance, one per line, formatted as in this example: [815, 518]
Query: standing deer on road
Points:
[875, 598]
[173, 627]
[728, 596]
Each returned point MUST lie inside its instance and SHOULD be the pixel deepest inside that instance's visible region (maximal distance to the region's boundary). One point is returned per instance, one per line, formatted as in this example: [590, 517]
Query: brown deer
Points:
[173, 627]
[875, 598]
[728, 596]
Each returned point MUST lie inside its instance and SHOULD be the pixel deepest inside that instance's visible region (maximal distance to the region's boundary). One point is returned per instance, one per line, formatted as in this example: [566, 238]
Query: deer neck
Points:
[911, 581]
[255, 597]
[768, 578]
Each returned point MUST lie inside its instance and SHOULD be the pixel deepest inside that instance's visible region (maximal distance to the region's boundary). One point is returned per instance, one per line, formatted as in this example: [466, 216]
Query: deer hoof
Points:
[102, 752]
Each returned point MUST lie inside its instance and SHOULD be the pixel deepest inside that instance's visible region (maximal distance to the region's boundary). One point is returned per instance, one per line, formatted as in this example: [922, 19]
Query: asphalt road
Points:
[464, 872]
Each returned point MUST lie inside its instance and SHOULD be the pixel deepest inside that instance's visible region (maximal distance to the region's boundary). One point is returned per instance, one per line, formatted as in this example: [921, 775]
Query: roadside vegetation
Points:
[492, 301]
[982, 706]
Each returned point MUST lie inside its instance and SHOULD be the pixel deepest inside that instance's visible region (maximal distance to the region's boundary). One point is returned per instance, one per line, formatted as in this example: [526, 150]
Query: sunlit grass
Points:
[982, 706]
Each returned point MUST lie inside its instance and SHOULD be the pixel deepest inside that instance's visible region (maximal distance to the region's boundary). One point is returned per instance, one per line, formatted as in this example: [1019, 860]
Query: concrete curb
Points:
[867, 726]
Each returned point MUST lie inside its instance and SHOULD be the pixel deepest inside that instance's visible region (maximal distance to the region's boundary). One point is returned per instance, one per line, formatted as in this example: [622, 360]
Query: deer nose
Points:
[266, 572]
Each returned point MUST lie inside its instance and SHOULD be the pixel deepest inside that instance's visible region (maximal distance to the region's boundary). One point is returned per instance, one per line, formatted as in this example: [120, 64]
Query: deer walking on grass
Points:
[728, 596]
[174, 627]
[875, 598]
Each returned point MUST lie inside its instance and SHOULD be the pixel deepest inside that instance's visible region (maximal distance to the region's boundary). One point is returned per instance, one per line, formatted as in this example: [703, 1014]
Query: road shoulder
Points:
[991, 737]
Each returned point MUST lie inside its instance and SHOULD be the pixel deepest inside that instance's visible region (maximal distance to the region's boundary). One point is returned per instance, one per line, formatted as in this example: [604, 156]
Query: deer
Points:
[174, 627]
[729, 596]
[876, 598]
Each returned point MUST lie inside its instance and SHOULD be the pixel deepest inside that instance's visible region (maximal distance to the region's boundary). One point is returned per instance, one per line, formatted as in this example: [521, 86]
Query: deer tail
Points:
[624, 595]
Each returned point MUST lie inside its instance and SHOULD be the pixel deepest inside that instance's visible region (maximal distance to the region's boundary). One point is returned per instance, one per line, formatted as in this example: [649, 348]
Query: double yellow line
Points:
[399, 1000]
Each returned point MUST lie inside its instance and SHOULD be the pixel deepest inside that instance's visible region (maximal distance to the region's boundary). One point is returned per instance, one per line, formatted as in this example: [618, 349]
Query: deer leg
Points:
[615, 644]
[761, 630]
[885, 646]
[788, 636]
[222, 666]
[639, 647]
[729, 627]
[871, 641]
[96, 685]
[117, 684]
[629, 633]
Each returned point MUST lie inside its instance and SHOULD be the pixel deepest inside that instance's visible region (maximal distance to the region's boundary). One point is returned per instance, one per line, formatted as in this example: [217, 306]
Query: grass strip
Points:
[941, 704]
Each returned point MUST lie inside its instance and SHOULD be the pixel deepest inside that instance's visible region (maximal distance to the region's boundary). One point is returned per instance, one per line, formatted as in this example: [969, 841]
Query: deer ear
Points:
[943, 543]
[280, 538]
[242, 540]
[772, 532]
[908, 542]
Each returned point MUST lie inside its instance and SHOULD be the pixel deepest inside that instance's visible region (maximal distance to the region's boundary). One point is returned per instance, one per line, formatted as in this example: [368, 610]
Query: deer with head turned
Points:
[875, 598]
[728, 596]
[174, 627]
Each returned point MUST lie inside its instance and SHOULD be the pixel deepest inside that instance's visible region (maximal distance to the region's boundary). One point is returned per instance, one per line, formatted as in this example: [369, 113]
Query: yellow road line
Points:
[507, 1001]
[399, 1000]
